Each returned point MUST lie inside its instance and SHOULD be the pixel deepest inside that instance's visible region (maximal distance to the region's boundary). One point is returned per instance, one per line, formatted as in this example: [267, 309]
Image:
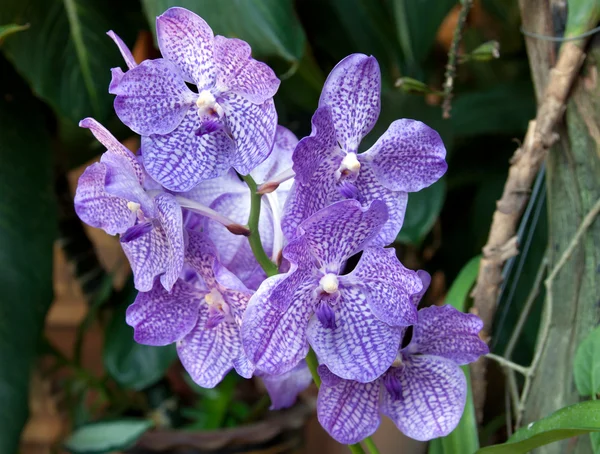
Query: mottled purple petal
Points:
[445, 331]
[201, 255]
[238, 72]
[280, 158]
[187, 40]
[353, 91]
[243, 366]
[425, 280]
[284, 389]
[388, 285]
[159, 317]
[274, 325]
[152, 98]
[348, 410]
[207, 191]
[408, 157]
[125, 52]
[208, 354]
[122, 181]
[116, 74]
[341, 230]
[98, 208]
[161, 251]
[434, 392]
[182, 159]
[252, 127]
[361, 347]
[113, 145]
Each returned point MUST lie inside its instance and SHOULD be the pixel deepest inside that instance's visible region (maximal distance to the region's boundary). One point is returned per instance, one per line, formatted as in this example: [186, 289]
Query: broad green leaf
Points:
[464, 438]
[586, 366]
[421, 213]
[595, 441]
[27, 231]
[106, 436]
[583, 15]
[65, 55]
[269, 26]
[459, 291]
[568, 422]
[132, 365]
[417, 23]
[9, 29]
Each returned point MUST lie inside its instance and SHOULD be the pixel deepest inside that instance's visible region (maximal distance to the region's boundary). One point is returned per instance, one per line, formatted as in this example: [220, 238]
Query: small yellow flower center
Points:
[398, 361]
[349, 166]
[329, 283]
[214, 299]
[207, 104]
[133, 206]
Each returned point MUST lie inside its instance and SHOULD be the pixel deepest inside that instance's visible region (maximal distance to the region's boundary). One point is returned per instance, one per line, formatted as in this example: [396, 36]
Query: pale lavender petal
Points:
[159, 317]
[361, 347]
[348, 410]
[243, 366]
[238, 72]
[341, 230]
[152, 98]
[388, 286]
[182, 159]
[284, 389]
[209, 353]
[280, 158]
[201, 255]
[121, 181]
[116, 74]
[274, 325]
[187, 40]
[408, 157]
[207, 191]
[113, 145]
[445, 331]
[434, 391]
[160, 251]
[425, 280]
[98, 208]
[252, 127]
[125, 52]
[353, 92]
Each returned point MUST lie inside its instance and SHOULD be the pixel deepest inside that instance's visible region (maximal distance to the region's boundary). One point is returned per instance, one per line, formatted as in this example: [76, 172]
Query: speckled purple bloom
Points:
[190, 136]
[111, 195]
[202, 314]
[408, 157]
[353, 322]
[424, 392]
[284, 389]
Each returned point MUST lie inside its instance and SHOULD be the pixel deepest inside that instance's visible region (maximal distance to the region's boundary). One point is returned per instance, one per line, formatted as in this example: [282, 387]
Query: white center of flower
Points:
[329, 283]
[349, 165]
[207, 104]
[214, 299]
[133, 206]
[398, 361]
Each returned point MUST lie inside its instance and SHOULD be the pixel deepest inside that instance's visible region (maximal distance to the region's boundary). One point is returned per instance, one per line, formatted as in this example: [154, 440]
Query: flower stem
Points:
[254, 237]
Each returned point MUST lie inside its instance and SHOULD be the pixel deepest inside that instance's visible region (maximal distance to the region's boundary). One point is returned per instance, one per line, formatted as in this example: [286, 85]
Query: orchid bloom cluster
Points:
[181, 204]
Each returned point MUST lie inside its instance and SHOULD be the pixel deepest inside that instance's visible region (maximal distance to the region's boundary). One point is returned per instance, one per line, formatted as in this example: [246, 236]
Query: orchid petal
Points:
[433, 396]
[159, 317]
[125, 52]
[360, 347]
[353, 92]
[280, 158]
[187, 40]
[152, 98]
[408, 157]
[284, 389]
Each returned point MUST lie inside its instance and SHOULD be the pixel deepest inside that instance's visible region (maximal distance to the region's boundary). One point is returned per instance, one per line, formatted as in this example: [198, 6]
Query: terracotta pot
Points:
[281, 432]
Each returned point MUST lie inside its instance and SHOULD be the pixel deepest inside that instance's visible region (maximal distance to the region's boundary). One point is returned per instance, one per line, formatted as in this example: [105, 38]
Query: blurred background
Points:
[65, 350]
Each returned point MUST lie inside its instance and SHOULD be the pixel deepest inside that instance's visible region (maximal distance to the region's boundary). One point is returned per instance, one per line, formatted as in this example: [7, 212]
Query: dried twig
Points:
[525, 165]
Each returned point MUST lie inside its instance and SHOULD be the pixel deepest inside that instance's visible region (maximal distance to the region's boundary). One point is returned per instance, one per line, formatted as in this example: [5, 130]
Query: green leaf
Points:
[106, 436]
[595, 441]
[568, 422]
[65, 55]
[9, 29]
[459, 291]
[132, 365]
[417, 23]
[269, 26]
[27, 231]
[421, 213]
[586, 366]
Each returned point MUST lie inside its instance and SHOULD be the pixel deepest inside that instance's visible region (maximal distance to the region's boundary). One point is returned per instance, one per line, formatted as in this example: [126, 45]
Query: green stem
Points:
[254, 238]
[271, 269]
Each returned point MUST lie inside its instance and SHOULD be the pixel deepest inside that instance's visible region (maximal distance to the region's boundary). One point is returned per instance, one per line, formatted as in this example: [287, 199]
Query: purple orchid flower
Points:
[408, 157]
[111, 195]
[284, 389]
[202, 314]
[230, 196]
[188, 136]
[354, 322]
[423, 392]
